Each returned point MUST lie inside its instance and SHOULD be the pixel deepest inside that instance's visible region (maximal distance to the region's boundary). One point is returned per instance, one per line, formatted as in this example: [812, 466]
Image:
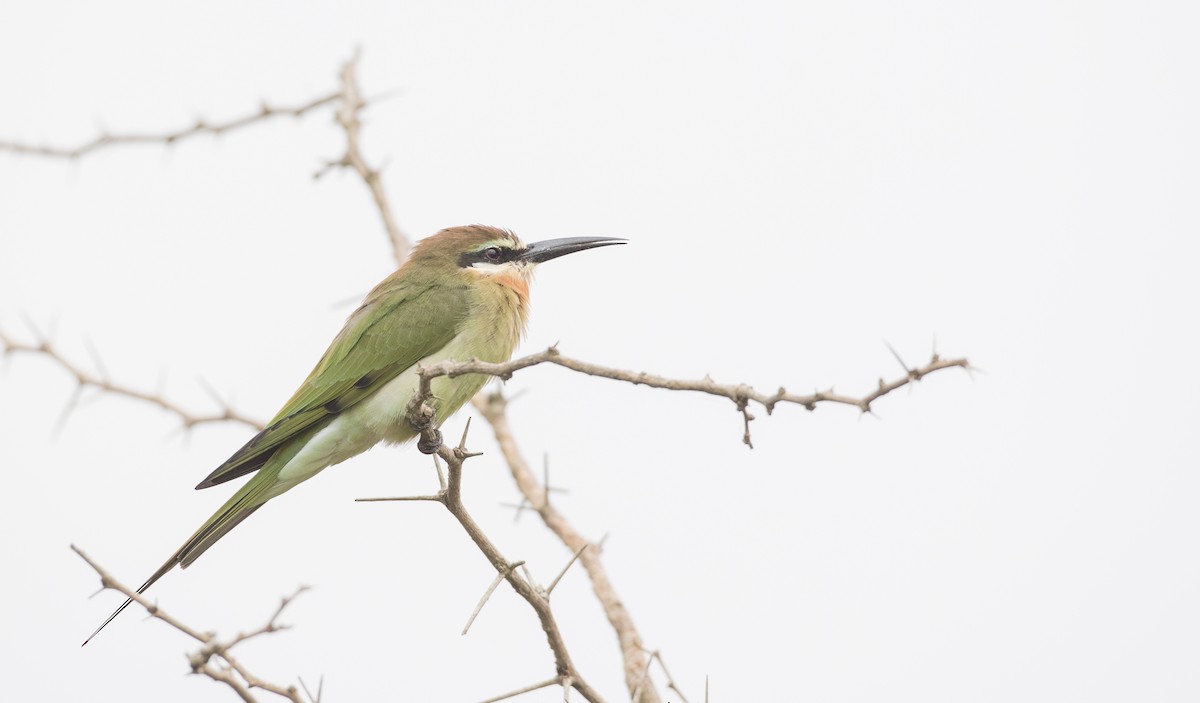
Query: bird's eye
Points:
[492, 253]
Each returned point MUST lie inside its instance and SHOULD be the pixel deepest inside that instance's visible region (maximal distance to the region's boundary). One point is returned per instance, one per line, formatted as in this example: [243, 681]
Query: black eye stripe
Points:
[471, 258]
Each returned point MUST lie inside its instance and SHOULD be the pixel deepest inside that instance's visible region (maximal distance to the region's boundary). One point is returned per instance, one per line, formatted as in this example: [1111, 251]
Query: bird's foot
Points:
[430, 446]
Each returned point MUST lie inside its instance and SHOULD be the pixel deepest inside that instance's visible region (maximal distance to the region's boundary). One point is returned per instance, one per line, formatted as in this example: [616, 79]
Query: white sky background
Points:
[799, 182]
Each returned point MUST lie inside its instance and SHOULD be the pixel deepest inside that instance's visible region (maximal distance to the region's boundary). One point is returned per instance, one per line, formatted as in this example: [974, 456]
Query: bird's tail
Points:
[236, 509]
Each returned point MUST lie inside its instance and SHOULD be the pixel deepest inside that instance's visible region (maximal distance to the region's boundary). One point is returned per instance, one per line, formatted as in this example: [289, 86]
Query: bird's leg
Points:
[430, 441]
[430, 437]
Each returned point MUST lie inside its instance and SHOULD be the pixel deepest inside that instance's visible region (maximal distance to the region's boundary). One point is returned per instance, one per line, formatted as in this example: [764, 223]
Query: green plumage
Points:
[462, 294]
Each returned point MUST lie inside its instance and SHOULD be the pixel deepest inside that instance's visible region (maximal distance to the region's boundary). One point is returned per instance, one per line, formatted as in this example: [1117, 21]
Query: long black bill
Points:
[539, 252]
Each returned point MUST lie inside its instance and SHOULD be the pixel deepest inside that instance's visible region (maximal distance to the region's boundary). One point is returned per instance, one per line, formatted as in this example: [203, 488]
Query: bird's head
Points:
[493, 254]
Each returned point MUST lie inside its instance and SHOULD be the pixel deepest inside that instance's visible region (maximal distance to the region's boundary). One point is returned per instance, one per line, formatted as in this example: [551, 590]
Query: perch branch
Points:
[741, 394]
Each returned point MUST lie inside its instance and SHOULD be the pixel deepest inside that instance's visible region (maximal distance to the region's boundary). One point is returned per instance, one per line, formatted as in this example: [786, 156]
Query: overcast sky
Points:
[799, 182]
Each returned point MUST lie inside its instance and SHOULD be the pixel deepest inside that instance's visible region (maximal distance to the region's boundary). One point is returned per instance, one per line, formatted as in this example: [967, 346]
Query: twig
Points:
[202, 659]
[434, 498]
[527, 689]
[105, 140]
[272, 625]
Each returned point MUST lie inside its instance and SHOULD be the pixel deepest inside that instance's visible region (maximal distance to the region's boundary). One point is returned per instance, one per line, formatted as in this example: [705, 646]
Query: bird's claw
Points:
[430, 446]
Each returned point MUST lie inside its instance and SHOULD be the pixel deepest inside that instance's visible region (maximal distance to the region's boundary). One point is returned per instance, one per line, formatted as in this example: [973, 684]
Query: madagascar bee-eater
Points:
[462, 294]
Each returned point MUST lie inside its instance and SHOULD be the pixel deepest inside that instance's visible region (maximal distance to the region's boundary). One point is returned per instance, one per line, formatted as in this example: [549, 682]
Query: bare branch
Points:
[741, 394]
[108, 582]
[102, 383]
[105, 140]
[493, 407]
[421, 416]
[271, 625]
[351, 103]
[226, 670]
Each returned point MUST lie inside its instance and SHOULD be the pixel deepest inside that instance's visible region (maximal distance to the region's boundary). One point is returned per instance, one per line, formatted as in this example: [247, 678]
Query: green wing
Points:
[394, 329]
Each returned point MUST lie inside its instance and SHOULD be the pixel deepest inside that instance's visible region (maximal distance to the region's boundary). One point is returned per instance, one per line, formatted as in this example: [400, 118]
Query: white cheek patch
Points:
[491, 269]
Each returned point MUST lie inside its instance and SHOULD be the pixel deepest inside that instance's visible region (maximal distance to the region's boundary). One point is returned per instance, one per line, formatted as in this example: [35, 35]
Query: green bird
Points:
[463, 293]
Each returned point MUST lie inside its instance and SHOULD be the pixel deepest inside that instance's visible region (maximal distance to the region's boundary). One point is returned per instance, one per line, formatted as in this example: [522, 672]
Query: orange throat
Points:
[517, 284]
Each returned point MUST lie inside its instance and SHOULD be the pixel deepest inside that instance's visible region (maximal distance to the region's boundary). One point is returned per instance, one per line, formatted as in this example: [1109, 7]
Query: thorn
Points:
[437, 465]
[72, 403]
[37, 333]
[213, 393]
[562, 573]
[500, 576]
[520, 508]
[384, 95]
[91, 348]
[462, 444]
[902, 364]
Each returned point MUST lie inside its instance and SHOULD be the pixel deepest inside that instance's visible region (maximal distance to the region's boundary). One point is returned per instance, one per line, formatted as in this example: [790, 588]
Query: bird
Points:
[463, 293]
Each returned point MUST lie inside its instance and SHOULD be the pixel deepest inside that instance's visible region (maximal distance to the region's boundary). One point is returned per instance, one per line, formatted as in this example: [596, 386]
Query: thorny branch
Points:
[103, 383]
[350, 104]
[741, 394]
[213, 659]
[105, 139]
[493, 408]
[422, 417]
